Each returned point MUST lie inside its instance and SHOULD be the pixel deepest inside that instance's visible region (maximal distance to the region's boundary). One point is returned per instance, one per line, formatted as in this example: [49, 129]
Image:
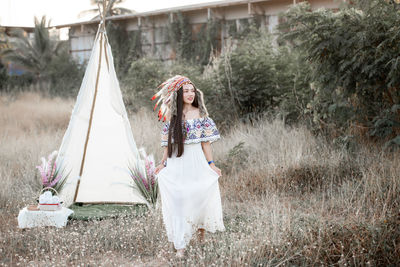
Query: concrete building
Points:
[154, 31]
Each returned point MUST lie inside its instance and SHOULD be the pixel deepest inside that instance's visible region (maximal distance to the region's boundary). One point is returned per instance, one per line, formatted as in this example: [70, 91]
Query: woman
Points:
[187, 175]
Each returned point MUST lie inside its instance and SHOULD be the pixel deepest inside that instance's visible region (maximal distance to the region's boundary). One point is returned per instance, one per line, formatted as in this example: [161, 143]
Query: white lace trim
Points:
[197, 140]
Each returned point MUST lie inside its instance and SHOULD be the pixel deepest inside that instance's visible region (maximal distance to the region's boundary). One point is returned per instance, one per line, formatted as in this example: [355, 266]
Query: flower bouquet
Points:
[53, 179]
[143, 174]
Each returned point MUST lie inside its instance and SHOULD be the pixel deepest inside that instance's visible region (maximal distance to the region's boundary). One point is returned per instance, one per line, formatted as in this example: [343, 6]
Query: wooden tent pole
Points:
[91, 117]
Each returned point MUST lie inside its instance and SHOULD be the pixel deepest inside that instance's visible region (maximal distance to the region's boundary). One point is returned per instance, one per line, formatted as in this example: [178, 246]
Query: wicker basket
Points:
[49, 207]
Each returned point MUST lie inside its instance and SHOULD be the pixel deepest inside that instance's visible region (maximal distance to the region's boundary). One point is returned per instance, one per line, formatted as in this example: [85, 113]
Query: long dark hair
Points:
[177, 130]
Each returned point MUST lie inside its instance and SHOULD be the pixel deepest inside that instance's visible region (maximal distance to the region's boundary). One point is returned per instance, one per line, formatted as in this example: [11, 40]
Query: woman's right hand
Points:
[159, 168]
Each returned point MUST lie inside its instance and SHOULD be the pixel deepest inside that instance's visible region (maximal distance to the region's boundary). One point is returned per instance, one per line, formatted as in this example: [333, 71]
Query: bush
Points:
[64, 75]
[3, 76]
[245, 82]
[126, 46]
[18, 83]
[144, 75]
[354, 58]
[257, 78]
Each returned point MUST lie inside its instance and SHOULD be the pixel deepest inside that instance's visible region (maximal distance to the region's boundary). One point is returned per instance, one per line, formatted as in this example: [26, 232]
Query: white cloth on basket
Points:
[29, 219]
[190, 193]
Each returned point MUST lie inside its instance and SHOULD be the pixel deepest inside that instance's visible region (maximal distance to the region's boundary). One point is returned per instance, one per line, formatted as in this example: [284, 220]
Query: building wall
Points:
[154, 31]
[81, 40]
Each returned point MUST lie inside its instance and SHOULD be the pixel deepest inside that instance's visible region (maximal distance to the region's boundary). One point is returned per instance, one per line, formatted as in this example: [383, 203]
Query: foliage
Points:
[236, 159]
[198, 46]
[126, 46]
[180, 36]
[144, 177]
[52, 175]
[15, 84]
[255, 78]
[188, 69]
[252, 76]
[64, 75]
[48, 63]
[298, 93]
[191, 46]
[239, 29]
[3, 76]
[243, 82]
[139, 85]
[336, 70]
[112, 10]
[206, 42]
[34, 55]
[354, 58]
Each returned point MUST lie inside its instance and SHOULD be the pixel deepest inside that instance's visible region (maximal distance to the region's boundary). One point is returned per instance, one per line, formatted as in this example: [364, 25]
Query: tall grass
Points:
[289, 198]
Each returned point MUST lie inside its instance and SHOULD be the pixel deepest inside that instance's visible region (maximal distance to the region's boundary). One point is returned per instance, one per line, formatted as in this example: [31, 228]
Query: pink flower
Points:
[48, 170]
[55, 180]
[145, 183]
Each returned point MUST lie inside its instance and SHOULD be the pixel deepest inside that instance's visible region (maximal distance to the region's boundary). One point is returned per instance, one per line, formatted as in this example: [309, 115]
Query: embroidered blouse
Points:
[197, 130]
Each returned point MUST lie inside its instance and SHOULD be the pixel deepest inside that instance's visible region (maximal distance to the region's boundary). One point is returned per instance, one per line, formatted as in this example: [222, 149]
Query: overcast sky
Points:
[21, 12]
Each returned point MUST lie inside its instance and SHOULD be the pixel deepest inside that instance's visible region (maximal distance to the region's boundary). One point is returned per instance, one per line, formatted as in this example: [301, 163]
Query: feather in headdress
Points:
[168, 96]
[168, 88]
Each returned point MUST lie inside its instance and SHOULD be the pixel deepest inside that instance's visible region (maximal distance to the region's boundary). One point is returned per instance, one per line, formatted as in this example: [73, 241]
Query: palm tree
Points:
[111, 11]
[33, 55]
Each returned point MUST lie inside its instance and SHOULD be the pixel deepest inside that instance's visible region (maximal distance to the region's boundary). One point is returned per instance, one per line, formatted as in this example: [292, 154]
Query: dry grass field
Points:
[289, 199]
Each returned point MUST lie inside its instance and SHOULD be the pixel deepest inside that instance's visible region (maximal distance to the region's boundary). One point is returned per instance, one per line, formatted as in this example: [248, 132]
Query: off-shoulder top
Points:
[197, 131]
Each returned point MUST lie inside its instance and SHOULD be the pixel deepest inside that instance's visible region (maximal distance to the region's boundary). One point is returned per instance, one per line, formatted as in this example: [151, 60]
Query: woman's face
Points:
[188, 93]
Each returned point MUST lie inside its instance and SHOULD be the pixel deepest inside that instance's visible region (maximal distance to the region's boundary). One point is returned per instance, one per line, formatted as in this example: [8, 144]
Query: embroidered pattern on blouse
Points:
[197, 130]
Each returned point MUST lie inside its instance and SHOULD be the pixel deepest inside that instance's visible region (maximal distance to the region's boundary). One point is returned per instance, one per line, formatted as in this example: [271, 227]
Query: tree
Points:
[34, 55]
[354, 55]
[111, 11]
[44, 58]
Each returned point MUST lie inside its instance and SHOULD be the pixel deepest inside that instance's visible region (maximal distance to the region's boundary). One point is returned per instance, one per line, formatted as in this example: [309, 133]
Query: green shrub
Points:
[126, 46]
[257, 78]
[139, 85]
[47, 62]
[64, 75]
[18, 83]
[3, 76]
[354, 57]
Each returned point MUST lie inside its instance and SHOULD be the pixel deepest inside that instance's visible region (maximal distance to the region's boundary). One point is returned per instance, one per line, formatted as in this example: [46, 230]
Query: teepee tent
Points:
[98, 146]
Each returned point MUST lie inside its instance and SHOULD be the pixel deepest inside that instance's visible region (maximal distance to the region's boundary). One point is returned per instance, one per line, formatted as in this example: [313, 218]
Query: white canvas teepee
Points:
[98, 145]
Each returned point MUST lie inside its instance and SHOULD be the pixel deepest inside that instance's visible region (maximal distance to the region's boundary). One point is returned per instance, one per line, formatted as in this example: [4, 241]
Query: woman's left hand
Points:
[159, 168]
[216, 169]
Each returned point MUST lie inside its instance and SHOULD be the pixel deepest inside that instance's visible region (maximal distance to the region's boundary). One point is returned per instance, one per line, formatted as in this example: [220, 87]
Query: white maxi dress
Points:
[189, 187]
